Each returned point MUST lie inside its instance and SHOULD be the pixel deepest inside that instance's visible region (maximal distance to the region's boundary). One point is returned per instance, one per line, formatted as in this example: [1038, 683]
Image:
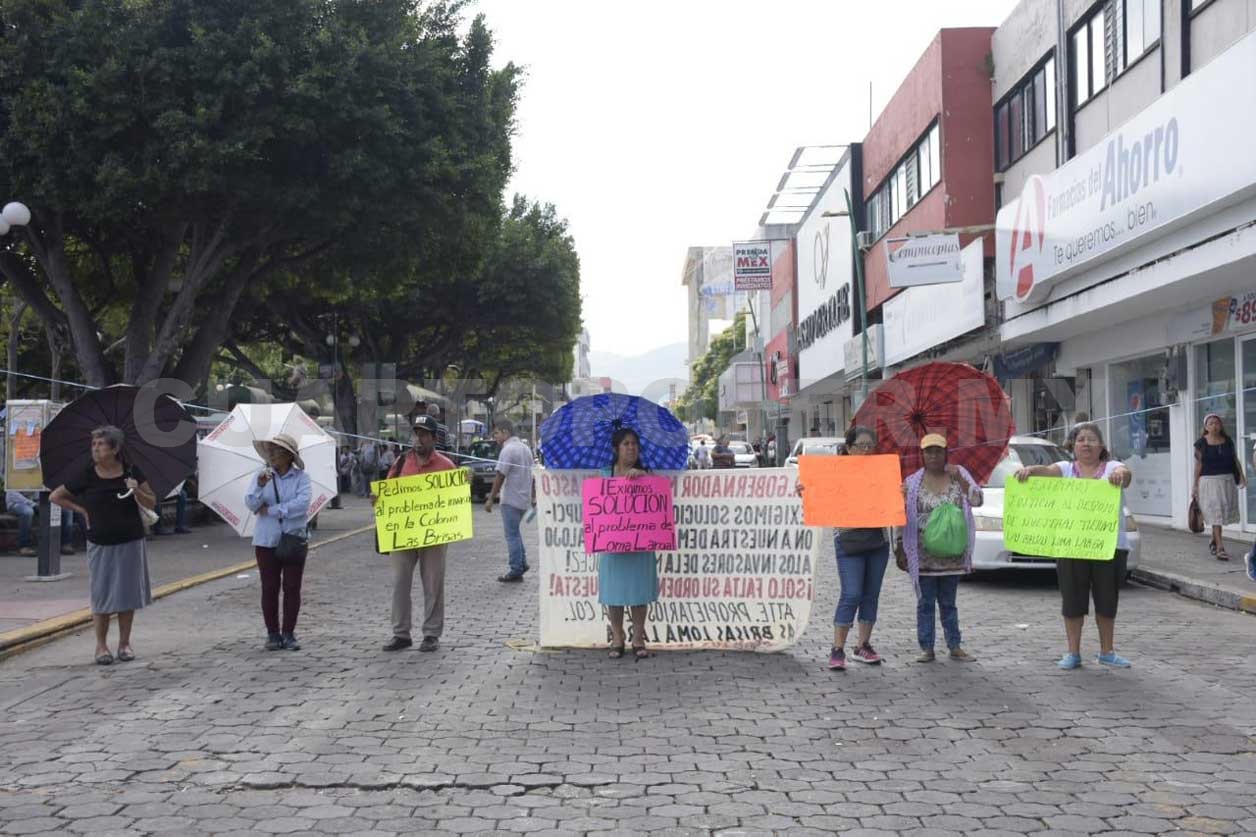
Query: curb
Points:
[1191, 589]
[41, 633]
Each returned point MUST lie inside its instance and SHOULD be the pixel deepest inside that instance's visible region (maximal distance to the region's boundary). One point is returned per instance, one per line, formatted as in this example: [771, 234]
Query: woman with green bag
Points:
[938, 543]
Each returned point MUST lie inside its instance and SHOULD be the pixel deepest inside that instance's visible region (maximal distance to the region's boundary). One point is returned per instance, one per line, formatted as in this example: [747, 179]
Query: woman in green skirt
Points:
[627, 579]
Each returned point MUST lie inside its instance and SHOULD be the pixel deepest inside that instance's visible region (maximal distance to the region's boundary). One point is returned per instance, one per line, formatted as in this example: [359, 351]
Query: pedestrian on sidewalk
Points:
[280, 497]
[368, 464]
[107, 494]
[442, 432]
[627, 579]
[1080, 580]
[1218, 477]
[862, 556]
[421, 459]
[513, 489]
[943, 495]
[180, 514]
[23, 508]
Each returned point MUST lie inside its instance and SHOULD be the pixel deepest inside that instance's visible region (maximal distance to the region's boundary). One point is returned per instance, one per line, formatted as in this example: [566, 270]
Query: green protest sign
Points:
[1061, 518]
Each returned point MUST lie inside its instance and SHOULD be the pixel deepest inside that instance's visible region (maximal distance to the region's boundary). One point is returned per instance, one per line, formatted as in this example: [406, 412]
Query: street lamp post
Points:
[48, 566]
[333, 342]
[860, 302]
[14, 214]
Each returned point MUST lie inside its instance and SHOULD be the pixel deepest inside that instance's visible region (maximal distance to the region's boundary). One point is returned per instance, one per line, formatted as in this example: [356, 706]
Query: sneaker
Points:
[1212, 547]
[182, 530]
[397, 643]
[1249, 564]
[1113, 659]
[429, 643]
[865, 654]
[837, 659]
[27, 552]
[290, 642]
[66, 549]
[510, 578]
[274, 642]
[1070, 661]
[959, 655]
[926, 656]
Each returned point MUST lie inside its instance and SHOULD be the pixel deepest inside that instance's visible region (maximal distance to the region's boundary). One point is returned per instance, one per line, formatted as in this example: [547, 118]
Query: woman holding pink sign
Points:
[627, 579]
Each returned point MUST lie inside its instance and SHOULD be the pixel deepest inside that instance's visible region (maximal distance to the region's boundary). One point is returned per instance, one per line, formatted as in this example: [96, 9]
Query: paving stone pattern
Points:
[209, 734]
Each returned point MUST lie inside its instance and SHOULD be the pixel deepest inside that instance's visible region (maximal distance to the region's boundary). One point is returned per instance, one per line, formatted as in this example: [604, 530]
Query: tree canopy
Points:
[192, 166]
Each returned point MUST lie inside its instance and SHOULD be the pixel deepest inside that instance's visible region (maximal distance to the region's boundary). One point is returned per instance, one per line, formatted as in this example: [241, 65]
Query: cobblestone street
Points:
[208, 733]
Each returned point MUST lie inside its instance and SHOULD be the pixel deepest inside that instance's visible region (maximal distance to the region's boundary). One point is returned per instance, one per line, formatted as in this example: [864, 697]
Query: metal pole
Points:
[859, 293]
[763, 378]
[48, 564]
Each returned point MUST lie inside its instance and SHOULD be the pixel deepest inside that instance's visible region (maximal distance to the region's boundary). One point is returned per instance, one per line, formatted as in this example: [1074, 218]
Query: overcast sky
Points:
[653, 126]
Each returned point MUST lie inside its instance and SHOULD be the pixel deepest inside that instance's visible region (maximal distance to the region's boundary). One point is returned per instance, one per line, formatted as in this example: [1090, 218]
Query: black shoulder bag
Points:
[292, 549]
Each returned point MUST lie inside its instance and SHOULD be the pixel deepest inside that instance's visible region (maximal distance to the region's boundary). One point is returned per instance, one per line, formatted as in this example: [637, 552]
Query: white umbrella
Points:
[227, 460]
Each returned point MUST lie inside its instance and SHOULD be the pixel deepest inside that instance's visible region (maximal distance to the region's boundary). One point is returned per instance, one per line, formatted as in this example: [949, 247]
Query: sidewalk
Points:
[210, 548]
[1180, 562]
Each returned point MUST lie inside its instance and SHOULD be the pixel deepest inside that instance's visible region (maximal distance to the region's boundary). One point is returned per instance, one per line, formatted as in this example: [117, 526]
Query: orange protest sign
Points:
[852, 491]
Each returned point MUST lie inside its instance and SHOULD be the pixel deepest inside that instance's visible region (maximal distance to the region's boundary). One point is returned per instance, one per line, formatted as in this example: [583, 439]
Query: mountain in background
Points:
[648, 374]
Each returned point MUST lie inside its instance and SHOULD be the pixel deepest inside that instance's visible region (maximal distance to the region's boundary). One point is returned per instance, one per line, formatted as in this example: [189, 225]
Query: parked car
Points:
[990, 552]
[744, 455]
[481, 458]
[814, 446]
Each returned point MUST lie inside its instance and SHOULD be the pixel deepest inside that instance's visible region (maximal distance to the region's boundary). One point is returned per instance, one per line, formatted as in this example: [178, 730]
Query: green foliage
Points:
[185, 157]
[702, 398]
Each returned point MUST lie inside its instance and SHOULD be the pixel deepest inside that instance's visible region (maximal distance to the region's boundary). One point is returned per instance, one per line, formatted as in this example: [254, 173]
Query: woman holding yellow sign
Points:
[1082, 579]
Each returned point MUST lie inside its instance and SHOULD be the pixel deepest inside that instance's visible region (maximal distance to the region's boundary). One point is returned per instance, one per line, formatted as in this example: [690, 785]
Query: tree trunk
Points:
[56, 351]
[15, 326]
[50, 252]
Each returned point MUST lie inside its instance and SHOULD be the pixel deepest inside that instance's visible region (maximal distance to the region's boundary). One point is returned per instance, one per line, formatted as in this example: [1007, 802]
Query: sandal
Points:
[640, 652]
[1222, 555]
[105, 659]
[617, 651]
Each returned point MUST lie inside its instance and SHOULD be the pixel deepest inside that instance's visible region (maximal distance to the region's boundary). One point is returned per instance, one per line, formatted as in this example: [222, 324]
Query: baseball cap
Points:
[933, 440]
[426, 423]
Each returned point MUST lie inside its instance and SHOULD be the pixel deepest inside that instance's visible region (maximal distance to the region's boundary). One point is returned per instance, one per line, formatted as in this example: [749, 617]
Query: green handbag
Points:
[946, 534]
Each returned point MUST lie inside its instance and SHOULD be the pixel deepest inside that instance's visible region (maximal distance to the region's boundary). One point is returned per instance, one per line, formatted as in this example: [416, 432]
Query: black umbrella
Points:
[160, 436]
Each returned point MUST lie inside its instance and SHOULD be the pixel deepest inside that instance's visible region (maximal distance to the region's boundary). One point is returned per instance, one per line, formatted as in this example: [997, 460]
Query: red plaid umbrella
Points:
[953, 399]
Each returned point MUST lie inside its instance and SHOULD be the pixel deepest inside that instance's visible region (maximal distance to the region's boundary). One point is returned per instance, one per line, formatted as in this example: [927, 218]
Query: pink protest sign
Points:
[628, 515]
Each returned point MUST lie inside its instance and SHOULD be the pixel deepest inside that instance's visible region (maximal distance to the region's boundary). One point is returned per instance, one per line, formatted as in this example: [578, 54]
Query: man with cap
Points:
[423, 458]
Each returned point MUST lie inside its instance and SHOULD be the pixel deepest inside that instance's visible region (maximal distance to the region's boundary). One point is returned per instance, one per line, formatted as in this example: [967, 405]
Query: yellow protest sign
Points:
[1061, 518]
[423, 510]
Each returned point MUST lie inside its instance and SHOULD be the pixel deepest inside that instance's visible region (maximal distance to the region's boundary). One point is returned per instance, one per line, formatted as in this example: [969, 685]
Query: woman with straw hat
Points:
[280, 497]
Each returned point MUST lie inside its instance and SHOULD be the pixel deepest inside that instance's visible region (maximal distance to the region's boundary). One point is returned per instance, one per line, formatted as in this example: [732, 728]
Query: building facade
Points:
[927, 164]
[1126, 240]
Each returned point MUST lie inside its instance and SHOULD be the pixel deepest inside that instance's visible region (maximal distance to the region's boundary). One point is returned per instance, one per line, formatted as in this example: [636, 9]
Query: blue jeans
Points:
[861, 574]
[939, 590]
[25, 519]
[511, 518]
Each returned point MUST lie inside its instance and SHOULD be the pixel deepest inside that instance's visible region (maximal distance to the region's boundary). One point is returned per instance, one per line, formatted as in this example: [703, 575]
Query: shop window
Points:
[1215, 374]
[1138, 431]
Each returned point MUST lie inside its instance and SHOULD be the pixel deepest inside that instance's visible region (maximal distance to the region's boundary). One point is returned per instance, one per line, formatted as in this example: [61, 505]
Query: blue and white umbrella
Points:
[578, 436]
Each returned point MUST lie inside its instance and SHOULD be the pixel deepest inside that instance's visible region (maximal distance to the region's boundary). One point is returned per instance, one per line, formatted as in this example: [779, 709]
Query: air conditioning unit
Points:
[864, 240]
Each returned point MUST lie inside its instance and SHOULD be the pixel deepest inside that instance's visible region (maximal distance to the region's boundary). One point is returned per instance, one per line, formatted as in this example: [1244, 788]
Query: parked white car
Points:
[744, 455]
[815, 446]
[990, 553]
